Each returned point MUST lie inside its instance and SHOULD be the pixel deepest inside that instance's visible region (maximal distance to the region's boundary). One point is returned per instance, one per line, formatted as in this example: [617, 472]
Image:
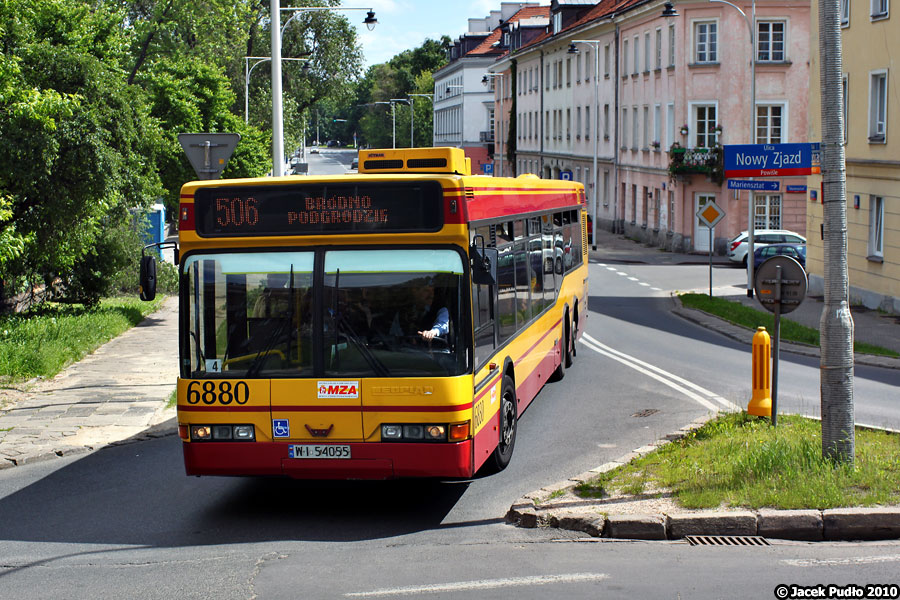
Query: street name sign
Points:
[759, 186]
[772, 160]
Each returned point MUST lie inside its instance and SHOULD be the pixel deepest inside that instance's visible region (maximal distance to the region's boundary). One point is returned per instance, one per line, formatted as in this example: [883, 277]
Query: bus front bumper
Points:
[369, 460]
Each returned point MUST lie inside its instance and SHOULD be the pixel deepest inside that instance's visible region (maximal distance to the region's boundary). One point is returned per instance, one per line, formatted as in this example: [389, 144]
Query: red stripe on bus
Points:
[326, 408]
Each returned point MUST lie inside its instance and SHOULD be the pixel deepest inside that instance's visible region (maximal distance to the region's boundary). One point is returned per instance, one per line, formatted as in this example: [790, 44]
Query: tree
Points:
[75, 143]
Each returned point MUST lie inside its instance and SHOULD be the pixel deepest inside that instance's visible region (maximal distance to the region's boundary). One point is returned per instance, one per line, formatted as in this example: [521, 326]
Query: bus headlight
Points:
[222, 433]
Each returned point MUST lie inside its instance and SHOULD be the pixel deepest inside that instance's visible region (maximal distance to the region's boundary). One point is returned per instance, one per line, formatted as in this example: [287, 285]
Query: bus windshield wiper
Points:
[377, 365]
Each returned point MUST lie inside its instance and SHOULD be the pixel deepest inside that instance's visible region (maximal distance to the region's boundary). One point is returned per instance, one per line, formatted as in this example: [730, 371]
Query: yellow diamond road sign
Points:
[710, 214]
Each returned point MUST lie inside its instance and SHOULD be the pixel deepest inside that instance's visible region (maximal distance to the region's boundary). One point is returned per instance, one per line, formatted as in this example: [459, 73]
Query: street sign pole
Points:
[710, 259]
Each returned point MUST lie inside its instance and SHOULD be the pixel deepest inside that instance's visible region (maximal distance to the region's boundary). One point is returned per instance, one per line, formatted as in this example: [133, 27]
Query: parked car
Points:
[737, 249]
[354, 164]
[794, 250]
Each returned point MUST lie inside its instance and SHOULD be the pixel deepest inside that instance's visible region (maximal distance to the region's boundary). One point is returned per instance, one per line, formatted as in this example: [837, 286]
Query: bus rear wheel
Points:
[508, 417]
[566, 359]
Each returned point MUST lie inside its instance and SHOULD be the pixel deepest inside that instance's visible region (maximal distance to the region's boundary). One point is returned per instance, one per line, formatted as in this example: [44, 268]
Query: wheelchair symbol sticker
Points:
[281, 428]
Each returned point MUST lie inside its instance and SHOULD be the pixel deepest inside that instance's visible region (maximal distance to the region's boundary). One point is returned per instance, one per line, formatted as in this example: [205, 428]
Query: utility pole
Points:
[836, 324]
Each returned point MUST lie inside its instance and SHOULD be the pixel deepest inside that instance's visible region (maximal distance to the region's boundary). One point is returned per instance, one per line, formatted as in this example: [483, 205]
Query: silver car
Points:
[737, 248]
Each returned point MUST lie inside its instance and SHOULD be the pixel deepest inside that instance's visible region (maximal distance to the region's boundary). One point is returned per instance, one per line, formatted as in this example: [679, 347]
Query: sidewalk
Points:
[116, 393]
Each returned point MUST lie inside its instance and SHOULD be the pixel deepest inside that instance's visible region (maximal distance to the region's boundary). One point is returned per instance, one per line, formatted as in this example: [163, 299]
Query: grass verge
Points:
[745, 316]
[738, 460]
[42, 342]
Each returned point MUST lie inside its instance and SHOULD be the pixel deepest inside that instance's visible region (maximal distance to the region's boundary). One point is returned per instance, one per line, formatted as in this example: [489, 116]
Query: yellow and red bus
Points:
[303, 298]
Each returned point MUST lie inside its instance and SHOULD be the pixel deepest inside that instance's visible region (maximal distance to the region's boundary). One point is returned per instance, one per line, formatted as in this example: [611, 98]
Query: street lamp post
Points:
[498, 128]
[277, 108]
[462, 137]
[412, 141]
[751, 196]
[573, 49]
[408, 101]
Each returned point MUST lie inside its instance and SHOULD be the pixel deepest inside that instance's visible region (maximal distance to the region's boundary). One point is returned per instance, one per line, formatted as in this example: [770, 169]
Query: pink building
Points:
[684, 91]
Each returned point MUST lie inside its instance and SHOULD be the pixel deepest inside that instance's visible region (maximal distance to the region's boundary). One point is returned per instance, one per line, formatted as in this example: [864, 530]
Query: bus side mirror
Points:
[484, 265]
[148, 278]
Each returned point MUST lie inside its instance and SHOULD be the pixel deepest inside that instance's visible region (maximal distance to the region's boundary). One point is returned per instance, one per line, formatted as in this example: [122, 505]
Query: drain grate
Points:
[645, 413]
[726, 540]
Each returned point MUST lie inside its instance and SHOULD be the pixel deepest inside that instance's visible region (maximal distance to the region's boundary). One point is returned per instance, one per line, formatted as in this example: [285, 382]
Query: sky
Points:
[405, 24]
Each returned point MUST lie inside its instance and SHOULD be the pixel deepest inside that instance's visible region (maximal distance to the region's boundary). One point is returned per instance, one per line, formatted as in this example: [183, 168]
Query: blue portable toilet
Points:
[156, 226]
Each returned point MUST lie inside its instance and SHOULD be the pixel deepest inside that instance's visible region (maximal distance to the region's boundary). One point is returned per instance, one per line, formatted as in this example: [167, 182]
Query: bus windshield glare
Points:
[376, 313]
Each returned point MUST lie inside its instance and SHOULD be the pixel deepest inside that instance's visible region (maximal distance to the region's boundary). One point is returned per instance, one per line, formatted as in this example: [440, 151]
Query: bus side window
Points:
[483, 310]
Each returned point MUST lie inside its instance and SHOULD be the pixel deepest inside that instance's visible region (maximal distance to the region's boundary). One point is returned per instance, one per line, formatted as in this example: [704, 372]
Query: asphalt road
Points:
[125, 522]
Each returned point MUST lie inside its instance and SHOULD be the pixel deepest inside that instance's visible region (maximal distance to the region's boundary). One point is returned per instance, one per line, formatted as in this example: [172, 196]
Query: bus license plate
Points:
[319, 451]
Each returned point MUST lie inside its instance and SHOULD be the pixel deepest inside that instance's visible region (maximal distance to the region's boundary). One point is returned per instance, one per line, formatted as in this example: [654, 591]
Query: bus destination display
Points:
[300, 209]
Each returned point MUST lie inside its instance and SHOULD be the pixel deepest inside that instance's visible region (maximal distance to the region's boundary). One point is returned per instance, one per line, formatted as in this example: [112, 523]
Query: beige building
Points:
[870, 36]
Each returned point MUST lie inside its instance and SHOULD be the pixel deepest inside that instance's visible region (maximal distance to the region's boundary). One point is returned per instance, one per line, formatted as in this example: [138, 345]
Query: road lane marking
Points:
[837, 562]
[482, 584]
[632, 279]
[674, 381]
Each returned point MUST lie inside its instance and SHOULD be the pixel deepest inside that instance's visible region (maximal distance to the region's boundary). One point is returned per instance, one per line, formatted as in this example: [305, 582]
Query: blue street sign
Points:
[795, 189]
[741, 184]
[565, 175]
[771, 160]
[488, 168]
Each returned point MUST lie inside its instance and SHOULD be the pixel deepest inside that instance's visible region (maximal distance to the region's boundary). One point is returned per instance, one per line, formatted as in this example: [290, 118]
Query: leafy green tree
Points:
[76, 144]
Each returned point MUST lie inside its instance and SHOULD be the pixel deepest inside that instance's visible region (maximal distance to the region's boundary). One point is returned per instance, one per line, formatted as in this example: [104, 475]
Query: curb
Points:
[536, 509]
[157, 430]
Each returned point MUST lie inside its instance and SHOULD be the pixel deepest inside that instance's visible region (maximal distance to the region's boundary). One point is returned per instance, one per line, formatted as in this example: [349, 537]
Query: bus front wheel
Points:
[508, 417]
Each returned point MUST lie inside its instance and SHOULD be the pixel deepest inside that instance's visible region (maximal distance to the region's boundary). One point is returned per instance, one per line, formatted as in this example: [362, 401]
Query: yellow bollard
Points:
[761, 402]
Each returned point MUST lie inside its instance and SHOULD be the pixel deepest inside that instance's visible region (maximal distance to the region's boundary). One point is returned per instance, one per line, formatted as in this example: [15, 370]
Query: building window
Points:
[770, 40]
[578, 122]
[557, 22]
[705, 135]
[768, 211]
[672, 45]
[670, 124]
[637, 61]
[624, 57]
[770, 124]
[658, 48]
[646, 139]
[876, 226]
[845, 94]
[646, 51]
[606, 121]
[587, 122]
[634, 128]
[879, 9]
[878, 107]
[705, 42]
[587, 68]
[845, 13]
[568, 72]
[578, 68]
[605, 61]
[624, 127]
[657, 124]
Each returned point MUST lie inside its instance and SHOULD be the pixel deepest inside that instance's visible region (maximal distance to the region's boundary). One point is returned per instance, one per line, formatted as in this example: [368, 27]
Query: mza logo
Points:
[338, 389]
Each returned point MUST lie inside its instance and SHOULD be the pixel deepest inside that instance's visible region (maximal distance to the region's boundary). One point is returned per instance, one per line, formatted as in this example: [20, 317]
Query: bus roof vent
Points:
[425, 163]
[382, 165]
[414, 160]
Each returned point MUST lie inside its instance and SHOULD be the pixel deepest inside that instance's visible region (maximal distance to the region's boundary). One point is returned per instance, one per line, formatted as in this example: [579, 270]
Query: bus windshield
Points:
[376, 313]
